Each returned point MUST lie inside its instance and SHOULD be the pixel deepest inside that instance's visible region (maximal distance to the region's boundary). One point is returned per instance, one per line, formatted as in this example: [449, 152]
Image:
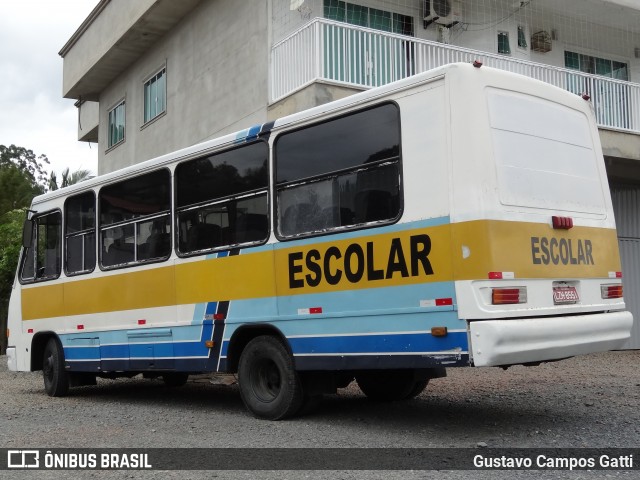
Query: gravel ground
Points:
[588, 401]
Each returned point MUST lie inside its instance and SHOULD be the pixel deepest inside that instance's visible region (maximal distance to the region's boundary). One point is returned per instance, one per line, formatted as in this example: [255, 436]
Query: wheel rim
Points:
[266, 380]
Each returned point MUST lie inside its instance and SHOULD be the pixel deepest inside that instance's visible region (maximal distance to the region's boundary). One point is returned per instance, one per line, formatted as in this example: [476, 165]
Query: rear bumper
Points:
[12, 360]
[522, 340]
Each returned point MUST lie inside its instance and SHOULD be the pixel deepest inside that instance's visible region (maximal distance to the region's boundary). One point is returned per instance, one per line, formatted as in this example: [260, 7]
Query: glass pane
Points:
[603, 67]
[89, 251]
[403, 24]
[144, 195]
[80, 213]
[503, 43]
[28, 271]
[218, 176]
[147, 102]
[380, 20]
[334, 10]
[357, 15]
[118, 245]
[153, 238]
[224, 224]
[343, 143]
[587, 64]
[162, 92]
[74, 261]
[153, 106]
[620, 71]
[522, 39]
[49, 241]
[572, 60]
[340, 201]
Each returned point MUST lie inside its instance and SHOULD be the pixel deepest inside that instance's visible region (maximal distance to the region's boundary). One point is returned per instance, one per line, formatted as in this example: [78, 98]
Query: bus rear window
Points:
[544, 153]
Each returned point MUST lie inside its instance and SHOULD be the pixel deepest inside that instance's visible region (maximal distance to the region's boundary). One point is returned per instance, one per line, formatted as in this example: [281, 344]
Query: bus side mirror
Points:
[27, 233]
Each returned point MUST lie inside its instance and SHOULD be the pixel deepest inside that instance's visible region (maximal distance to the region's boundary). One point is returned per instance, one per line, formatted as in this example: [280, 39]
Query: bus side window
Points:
[135, 220]
[80, 233]
[342, 173]
[43, 260]
[222, 199]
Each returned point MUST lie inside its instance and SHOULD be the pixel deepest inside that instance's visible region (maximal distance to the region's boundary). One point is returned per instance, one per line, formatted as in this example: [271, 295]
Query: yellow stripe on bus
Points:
[463, 251]
[533, 250]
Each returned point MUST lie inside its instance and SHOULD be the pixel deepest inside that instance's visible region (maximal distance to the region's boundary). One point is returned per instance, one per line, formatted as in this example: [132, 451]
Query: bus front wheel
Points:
[269, 385]
[56, 379]
[392, 385]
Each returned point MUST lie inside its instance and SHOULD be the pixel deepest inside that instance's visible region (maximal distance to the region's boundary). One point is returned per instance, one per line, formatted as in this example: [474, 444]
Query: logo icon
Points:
[23, 459]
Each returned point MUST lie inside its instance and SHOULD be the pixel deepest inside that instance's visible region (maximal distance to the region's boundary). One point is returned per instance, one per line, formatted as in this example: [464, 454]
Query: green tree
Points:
[10, 243]
[22, 176]
[26, 161]
[78, 176]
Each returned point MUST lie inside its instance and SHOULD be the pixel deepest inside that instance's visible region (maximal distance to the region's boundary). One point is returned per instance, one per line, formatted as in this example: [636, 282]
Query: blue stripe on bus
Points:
[384, 343]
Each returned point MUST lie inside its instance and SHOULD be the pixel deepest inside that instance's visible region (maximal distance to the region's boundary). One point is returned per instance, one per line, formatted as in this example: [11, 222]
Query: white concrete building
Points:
[153, 76]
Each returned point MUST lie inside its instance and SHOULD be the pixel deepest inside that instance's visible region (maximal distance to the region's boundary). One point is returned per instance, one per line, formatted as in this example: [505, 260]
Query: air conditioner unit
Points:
[442, 12]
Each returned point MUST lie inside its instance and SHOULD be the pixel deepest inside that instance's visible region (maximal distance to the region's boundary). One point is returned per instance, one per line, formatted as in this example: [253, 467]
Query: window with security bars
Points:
[155, 95]
[368, 17]
[597, 66]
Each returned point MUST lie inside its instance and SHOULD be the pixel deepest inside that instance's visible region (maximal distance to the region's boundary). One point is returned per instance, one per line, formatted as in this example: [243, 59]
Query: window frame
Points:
[100, 228]
[160, 73]
[335, 174]
[34, 245]
[120, 103]
[81, 233]
[221, 201]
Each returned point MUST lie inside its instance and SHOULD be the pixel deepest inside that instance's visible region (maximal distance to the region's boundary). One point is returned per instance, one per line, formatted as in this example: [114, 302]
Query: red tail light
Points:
[508, 296]
[611, 291]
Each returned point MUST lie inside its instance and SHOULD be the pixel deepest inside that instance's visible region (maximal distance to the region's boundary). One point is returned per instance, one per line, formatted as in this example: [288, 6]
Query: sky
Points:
[33, 113]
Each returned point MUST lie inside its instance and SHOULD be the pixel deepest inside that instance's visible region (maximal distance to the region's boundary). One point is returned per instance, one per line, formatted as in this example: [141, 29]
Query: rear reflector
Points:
[508, 296]
[615, 274]
[611, 291]
[501, 275]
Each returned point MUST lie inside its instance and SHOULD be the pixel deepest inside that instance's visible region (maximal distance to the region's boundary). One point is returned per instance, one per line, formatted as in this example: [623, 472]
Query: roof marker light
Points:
[562, 223]
[477, 63]
[586, 96]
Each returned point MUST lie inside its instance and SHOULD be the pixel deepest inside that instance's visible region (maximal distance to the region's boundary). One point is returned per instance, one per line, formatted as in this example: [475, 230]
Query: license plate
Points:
[565, 295]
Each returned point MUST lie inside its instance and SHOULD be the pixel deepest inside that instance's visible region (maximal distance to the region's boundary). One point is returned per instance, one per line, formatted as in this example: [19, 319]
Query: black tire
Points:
[391, 385]
[417, 389]
[56, 379]
[269, 385]
[175, 379]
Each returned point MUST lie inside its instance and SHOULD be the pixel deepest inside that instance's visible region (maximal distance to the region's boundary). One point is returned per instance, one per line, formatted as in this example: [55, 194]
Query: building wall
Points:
[217, 63]
[578, 30]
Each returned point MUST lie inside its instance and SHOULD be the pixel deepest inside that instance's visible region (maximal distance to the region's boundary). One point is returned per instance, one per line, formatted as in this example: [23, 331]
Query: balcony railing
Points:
[361, 57]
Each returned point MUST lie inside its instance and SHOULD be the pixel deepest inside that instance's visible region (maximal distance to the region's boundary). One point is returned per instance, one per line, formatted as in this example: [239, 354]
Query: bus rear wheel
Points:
[269, 385]
[392, 385]
[56, 379]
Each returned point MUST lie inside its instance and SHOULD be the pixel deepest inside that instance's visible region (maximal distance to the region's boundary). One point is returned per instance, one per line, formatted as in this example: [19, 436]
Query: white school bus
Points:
[460, 217]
